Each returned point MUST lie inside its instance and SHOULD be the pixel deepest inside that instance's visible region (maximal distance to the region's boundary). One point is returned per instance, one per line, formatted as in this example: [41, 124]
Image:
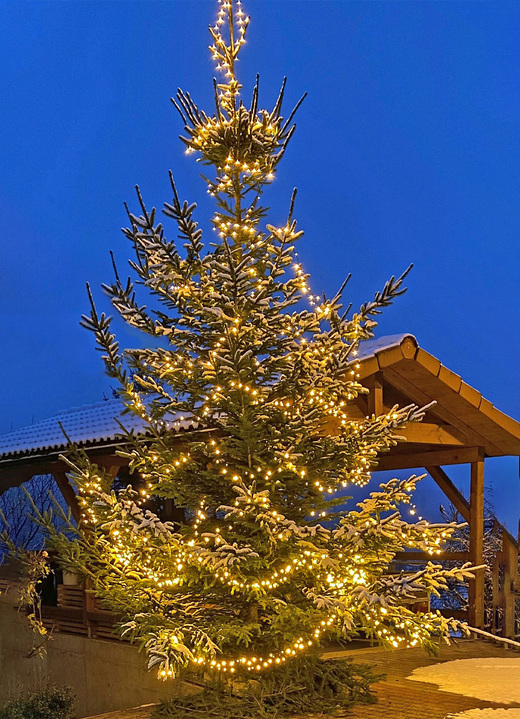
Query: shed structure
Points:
[462, 427]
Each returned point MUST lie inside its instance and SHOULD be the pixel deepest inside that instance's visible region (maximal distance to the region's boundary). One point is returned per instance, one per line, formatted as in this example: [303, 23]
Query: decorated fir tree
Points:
[260, 566]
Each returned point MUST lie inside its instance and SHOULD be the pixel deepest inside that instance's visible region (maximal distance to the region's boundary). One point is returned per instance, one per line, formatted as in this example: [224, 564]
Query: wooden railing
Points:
[78, 612]
[502, 608]
[70, 610]
[506, 587]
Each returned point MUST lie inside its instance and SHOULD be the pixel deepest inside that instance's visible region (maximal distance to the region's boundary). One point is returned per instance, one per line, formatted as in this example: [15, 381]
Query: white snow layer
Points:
[491, 679]
[487, 714]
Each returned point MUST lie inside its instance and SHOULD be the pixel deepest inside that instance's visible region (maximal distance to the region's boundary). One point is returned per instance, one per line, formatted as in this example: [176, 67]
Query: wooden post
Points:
[476, 544]
[429, 458]
[89, 605]
[375, 398]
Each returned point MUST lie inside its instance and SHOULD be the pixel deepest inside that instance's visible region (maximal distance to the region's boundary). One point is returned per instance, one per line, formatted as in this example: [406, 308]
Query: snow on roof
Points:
[88, 425]
[97, 423]
[371, 347]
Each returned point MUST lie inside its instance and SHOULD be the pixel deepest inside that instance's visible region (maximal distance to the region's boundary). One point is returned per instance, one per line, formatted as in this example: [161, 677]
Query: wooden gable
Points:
[460, 427]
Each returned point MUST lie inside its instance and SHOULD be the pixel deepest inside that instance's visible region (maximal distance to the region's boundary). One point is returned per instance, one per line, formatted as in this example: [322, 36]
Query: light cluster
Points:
[353, 573]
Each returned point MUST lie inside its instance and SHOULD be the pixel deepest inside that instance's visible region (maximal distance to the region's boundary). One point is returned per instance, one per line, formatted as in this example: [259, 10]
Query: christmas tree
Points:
[260, 565]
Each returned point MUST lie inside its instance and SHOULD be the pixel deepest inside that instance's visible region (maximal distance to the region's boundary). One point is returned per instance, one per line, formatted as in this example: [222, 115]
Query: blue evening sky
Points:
[407, 150]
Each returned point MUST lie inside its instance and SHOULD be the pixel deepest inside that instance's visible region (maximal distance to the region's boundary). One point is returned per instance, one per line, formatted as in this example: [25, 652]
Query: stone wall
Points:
[104, 675]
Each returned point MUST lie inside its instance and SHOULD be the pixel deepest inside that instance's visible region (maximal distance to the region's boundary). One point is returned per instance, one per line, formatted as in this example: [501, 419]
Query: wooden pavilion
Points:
[460, 428]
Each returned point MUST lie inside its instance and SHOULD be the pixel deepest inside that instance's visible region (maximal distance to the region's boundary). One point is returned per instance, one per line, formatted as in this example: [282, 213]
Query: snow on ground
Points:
[487, 714]
[492, 679]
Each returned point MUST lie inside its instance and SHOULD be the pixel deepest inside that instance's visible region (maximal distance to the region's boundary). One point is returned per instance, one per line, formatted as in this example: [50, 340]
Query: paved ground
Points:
[398, 698]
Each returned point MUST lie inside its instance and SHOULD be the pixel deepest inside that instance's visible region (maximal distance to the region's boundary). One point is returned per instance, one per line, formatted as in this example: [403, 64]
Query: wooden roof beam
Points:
[13, 479]
[428, 433]
[436, 457]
